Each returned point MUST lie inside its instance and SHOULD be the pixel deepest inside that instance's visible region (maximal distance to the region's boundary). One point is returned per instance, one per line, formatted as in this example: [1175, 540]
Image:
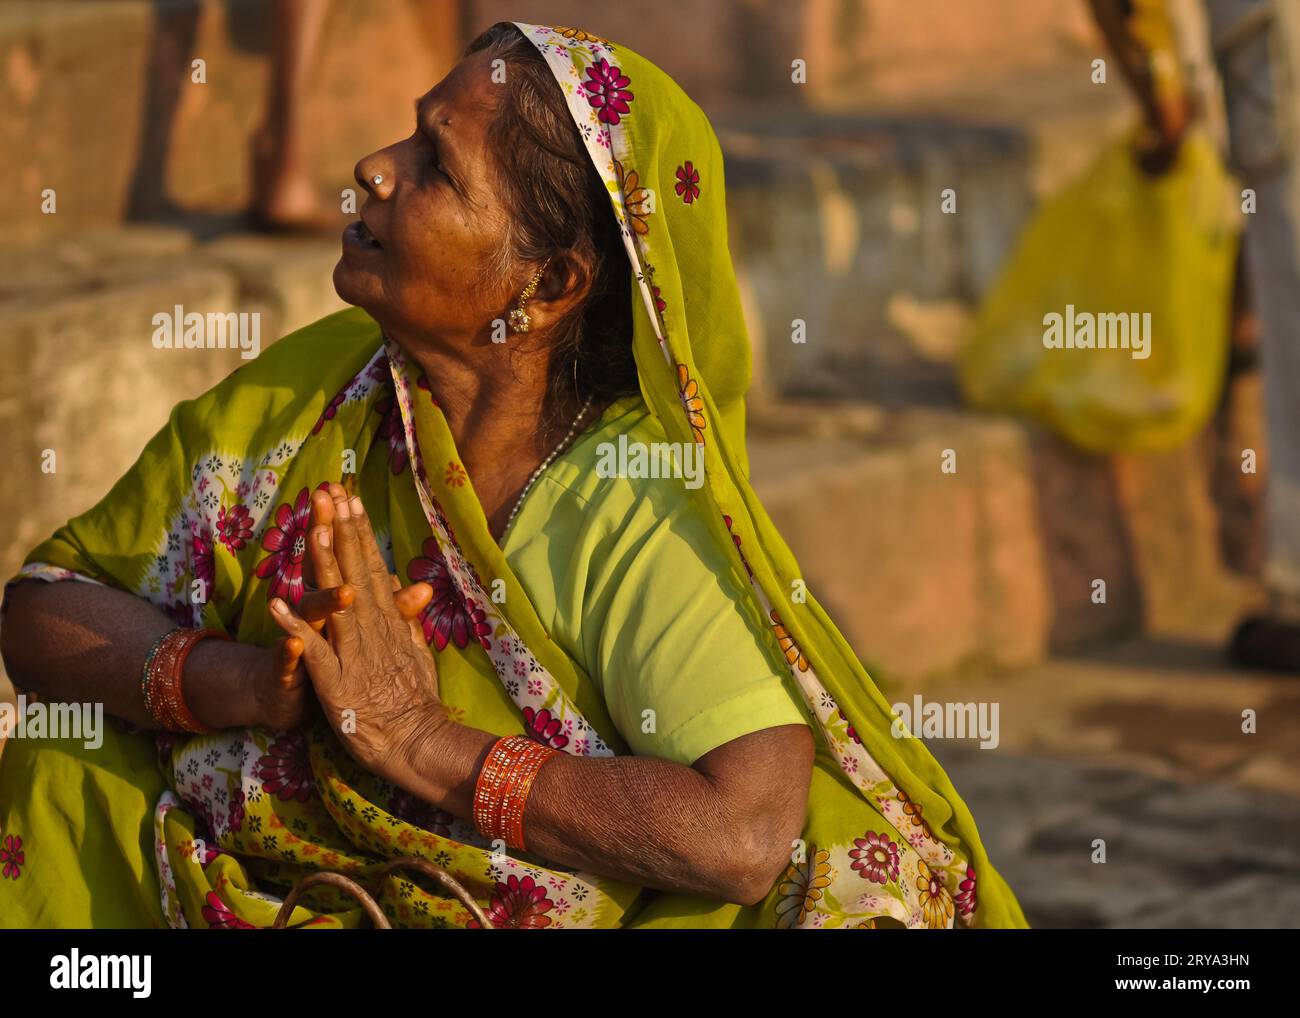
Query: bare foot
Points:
[284, 195]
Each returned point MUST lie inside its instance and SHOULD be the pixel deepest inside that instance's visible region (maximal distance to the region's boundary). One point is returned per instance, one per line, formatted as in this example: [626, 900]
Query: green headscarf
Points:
[239, 815]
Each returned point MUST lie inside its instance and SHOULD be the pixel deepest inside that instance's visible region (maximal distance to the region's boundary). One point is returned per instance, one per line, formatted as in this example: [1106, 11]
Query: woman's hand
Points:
[371, 669]
[281, 694]
[274, 690]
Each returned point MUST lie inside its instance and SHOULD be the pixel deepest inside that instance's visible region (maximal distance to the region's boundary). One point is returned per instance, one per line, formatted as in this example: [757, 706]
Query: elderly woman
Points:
[604, 697]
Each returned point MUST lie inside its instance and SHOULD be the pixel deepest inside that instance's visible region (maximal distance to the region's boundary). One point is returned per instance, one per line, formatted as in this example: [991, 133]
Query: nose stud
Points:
[377, 179]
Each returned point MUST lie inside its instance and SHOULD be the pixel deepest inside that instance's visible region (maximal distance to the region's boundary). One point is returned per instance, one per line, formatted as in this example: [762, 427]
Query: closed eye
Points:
[434, 161]
[424, 136]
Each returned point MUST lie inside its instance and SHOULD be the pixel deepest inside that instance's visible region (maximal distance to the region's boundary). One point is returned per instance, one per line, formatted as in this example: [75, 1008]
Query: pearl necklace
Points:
[573, 430]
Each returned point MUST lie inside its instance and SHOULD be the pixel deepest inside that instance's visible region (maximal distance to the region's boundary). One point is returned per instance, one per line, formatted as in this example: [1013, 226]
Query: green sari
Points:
[210, 831]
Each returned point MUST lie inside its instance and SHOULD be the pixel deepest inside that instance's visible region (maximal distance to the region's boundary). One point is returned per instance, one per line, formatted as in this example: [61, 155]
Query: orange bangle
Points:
[517, 792]
[163, 672]
[503, 786]
[487, 790]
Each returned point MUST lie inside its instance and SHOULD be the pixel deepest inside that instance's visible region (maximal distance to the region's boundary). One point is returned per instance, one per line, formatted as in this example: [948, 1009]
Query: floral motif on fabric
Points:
[12, 857]
[688, 183]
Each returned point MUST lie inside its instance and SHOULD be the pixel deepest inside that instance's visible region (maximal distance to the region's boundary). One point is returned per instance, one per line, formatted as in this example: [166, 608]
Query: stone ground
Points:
[1141, 747]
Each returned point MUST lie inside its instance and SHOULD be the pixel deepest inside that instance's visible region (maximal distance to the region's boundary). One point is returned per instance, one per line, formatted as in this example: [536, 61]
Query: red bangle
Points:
[161, 680]
[503, 786]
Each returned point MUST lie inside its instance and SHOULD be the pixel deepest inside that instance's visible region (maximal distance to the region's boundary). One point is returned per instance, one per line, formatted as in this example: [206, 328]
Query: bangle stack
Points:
[160, 680]
[504, 783]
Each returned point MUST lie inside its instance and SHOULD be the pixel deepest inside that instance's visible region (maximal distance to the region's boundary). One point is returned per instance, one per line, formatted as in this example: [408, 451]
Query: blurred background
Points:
[1120, 720]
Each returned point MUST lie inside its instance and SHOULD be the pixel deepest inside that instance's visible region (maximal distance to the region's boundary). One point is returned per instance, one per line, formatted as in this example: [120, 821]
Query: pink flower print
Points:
[448, 618]
[286, 540]
[478, 623]
[234, 527]
[852, 732]
[688, 182]
[875, 857]
[237, 810]
[519, 904]
[332, 409]
[544, 728]
[965, 896]
[285, 769]
[219, 917]
[12, 857]
[607, 91]
[521, 671]
[204, 567]
[394, 431]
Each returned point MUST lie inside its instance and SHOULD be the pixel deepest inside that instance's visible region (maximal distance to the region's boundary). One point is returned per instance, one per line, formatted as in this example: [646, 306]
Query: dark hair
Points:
[558, 202]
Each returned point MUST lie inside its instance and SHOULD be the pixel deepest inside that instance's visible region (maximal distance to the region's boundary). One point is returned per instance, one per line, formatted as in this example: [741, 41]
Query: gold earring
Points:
[520, 320]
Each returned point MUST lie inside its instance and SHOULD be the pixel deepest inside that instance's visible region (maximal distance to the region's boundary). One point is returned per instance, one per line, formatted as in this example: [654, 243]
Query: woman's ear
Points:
[566, 283]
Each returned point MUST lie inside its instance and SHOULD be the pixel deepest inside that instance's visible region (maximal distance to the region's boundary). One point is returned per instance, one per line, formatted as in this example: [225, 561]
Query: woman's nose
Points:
[375, 175]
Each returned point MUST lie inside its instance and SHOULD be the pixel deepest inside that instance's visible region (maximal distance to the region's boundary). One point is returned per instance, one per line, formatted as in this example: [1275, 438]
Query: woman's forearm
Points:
[637, 818]
[75, 642]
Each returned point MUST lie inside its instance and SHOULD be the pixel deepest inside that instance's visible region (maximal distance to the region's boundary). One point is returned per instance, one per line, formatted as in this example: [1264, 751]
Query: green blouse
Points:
[627, 580]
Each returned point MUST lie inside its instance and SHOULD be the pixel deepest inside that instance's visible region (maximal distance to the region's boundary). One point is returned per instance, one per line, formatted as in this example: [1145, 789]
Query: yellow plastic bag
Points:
[1114, 260]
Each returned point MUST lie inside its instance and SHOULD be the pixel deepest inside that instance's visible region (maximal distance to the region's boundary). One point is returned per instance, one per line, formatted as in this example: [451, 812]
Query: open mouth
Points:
[359, 234]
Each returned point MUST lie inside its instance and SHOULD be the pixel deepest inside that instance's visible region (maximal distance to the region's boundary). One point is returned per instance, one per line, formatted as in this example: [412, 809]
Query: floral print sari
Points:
[211, 830]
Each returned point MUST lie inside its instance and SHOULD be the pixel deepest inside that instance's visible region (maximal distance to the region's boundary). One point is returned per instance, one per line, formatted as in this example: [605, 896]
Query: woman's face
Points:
[434, 220]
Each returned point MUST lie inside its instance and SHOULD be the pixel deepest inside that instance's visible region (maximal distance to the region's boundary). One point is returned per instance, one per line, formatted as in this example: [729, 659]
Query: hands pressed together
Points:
[355, 641]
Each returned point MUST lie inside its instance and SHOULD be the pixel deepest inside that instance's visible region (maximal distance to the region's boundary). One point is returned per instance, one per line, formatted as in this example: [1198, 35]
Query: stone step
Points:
[993, 565]
[83, 379]
[838, 223]
[101, 106]
[730, 54]
[163, 144]
[835, 216]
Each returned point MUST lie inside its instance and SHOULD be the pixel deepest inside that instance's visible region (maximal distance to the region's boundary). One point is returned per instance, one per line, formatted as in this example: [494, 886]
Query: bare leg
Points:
[175, 27]
[284, 193]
